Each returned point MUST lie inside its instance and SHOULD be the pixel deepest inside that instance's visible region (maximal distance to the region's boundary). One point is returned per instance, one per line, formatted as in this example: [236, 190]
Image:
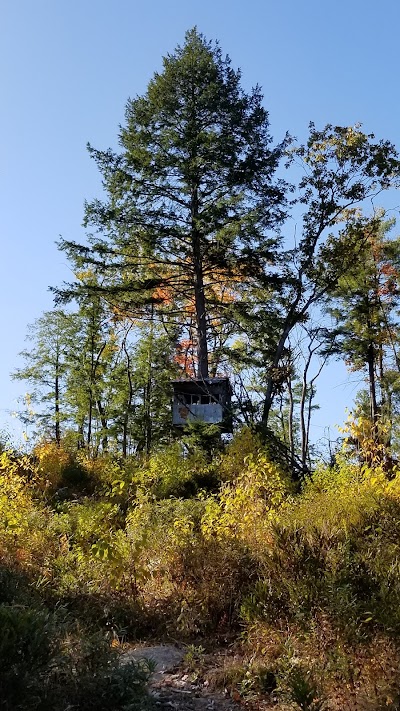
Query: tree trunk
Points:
[90, 415]
[91, 385]
[57, 401]
[307, 447]
[128, 404]
[291, 418]
[372, 385]
[81, 438]
[303, 426]
[104, 426]
[199, 295]
[148, 430]
[269, 393]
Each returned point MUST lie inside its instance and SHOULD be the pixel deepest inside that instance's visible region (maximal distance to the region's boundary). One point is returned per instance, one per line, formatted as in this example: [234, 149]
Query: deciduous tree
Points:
[343, 167]
[46, 369]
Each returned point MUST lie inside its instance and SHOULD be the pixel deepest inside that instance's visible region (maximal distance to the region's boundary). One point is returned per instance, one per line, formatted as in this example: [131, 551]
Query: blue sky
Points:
[68, 69]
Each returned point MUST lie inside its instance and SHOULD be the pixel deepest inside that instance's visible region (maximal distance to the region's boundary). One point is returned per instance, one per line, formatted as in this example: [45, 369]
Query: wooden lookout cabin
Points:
[204, 400]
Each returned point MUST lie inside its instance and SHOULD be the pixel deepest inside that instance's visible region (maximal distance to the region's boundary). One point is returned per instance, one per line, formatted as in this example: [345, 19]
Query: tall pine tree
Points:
[191, 196]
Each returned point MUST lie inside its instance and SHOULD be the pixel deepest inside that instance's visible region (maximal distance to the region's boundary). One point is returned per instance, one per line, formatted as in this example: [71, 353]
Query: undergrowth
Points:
[96, 553]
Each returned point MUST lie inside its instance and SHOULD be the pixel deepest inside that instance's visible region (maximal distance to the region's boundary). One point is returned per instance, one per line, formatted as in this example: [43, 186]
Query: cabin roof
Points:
[201, 385]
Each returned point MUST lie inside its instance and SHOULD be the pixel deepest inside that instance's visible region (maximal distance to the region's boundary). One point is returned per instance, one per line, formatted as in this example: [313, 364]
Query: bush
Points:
[197, 581]
[245, 509]
[25, 652]
[311, 579]
[47, 663]
[172, 474]
[329, 586]
[333, 548]
[15, 585]
[245, 444]
[86, 522]
[25, 539]
[90, 676]
[59, 472]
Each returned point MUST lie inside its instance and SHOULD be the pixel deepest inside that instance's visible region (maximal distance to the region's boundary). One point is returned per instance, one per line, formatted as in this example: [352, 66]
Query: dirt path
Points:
[172, 688]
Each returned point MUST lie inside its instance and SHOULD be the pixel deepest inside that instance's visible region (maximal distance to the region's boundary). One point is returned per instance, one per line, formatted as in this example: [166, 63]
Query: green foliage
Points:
[147, 392]
[196, 169]
[169, 473]
[249, 680]
[246, 443]
[47, 663]
[200, 579]
[60, 474]
[86, 522]
[25, 652]
[24, 533]
[333, 550]
[99, 680]
[310, 579]
[46, 368]
[365, 312]
[202, 436]
[245, 508]
[194, 656]
[303, 691]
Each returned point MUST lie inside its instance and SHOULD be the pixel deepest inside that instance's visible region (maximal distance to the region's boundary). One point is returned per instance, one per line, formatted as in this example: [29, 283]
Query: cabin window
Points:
[191, 399]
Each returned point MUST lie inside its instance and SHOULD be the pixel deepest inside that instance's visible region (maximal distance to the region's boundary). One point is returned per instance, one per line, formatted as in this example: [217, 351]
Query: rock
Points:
[165, 656]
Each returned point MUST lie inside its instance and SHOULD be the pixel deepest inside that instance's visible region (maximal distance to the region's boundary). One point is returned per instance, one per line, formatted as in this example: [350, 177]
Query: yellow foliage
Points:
[24, 533]
[51, 459]
[13, 502]
[244, 444]
[246, 508]
[365, 438]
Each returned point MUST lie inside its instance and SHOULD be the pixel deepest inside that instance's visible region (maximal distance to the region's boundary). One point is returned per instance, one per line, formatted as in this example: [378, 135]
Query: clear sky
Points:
[68, 68]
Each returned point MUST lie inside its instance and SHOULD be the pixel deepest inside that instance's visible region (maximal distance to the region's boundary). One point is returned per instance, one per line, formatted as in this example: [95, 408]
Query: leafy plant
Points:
[304, 691]
[47, 662]
[26, 649]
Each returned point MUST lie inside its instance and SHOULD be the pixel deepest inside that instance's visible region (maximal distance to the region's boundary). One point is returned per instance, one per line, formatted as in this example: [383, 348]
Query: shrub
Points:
[90, 676]
[172, 474]
[333, 548]
[245, 444]
[200, 579]
[25, 651]
[87, 521]
[245, 508]
[59, 472]
[25, 539]
[47, 663]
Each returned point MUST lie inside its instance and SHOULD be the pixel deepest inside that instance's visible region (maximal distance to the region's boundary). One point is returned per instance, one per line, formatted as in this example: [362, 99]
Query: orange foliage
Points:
[185, 356]
[163, 295]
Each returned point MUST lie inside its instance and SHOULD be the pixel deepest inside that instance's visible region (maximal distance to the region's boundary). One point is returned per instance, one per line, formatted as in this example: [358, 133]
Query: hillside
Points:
[294, 593]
